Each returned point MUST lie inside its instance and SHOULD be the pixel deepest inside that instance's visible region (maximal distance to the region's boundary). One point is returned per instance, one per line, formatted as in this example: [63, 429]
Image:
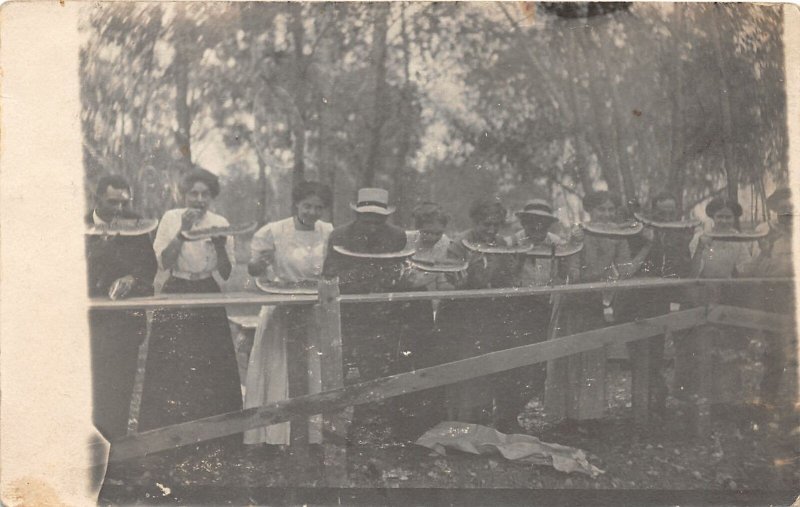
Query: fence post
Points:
[335, 425]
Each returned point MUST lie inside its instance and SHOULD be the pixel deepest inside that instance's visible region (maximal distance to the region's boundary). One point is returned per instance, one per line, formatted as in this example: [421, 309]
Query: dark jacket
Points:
[364, 275]
[109, 258]
[669, 255]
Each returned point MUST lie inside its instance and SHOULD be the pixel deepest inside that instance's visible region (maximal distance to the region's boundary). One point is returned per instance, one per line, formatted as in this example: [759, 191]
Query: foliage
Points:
[441, 101]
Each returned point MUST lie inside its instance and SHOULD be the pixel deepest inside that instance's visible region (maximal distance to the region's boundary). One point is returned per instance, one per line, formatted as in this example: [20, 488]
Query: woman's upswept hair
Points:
[719, 203]
[596, 198]
[306, 189]
[429, 212]
[197, 174]
[485, 208]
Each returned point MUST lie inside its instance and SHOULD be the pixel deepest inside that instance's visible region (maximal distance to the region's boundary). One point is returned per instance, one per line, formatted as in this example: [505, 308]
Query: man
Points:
[775, 261]
[378, 339]
[127, 264]
[369, 234]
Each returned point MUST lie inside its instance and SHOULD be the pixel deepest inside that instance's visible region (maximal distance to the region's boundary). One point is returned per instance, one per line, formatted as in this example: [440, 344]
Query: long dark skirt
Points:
[528, 318]
[466, 329]
[382, 339]
[191, 370]
[576, 385]
[116, 336]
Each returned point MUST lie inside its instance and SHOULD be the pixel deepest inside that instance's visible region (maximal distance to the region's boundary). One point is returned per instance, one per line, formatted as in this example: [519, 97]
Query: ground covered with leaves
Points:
[748, 448]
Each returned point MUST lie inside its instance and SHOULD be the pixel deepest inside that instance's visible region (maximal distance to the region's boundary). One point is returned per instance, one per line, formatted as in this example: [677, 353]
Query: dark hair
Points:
[427, 212]
[595, 199]
[485, 208]
[713, 207]
[306, 189]
[197, 174]
[778, 195]
[113, 181]
[661, 197]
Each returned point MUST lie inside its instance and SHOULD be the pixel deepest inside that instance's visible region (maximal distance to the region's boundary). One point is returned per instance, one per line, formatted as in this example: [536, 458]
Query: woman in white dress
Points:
[286, 252]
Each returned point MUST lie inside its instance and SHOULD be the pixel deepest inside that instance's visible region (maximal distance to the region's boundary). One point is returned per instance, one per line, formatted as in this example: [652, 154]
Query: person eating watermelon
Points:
[191, 368]
[117, 266]
[466, 328]
[605, 257]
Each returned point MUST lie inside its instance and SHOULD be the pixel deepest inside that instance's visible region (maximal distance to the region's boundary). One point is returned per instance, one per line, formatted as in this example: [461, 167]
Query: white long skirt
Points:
[268, 379]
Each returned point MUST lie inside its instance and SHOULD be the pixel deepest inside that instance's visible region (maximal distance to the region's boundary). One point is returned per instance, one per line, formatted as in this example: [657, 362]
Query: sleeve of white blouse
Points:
[262, 246]
[744, 260]
[230, 244]
[168, 228]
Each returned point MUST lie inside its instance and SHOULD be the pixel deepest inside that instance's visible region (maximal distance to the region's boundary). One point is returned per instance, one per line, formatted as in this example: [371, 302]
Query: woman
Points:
[425, 409]
[699, 365]
[430, 243]
[191, 370]
[669, 257]
[467, 328]
[715, 258]
[576, 384]
[287, 251]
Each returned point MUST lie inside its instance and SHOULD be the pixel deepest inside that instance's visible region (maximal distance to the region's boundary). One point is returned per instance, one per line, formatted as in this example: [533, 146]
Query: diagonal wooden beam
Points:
[379, 389]
[751, 319]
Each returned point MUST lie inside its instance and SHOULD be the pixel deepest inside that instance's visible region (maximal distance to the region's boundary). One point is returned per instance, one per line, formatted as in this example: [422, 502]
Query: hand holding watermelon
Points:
[189, 217]
[121, 287]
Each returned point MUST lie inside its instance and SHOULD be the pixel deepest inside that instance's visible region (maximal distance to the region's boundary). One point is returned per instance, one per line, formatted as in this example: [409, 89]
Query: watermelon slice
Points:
[679, 224]
[495, 249]
[622, 229]
[438, 266]
[305, 287]
[744, 235]
[564, 250]
[406, 252]
[124, 227]
[212, 232]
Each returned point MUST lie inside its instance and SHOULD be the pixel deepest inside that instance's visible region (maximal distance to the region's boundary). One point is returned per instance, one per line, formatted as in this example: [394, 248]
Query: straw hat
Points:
[537, 207]
[373, 200]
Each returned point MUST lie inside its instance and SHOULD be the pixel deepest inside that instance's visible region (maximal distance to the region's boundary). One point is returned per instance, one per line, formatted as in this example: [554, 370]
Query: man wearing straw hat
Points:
[368, 255]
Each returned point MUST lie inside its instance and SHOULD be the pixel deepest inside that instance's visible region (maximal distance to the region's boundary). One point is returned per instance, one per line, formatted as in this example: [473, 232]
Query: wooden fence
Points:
[335, 397]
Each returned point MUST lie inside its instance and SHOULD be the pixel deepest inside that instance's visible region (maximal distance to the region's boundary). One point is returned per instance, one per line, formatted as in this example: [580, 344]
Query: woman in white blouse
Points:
[288, 251]
[191, 370]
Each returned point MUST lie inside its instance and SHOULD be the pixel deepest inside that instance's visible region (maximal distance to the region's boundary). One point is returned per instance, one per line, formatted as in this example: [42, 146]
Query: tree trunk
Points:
[298, 124]
[405, 133]
[599, 135]
[578, 132]
[261, 205]
[731, 175]
[184, 133]
[379, 106]
[677, 160]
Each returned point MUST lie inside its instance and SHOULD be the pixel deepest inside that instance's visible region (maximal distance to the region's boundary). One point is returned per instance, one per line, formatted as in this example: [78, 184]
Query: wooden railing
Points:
[335, 397]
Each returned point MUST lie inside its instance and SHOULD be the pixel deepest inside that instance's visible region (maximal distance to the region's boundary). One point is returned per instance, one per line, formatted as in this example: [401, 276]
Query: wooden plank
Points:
[252, 298]
[379, 389]
[633, 284]
[201, 301]
[329, 344]
[751, 319]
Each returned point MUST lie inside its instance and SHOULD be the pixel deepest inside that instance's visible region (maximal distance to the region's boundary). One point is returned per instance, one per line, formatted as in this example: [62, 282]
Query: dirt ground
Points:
[748, 449]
